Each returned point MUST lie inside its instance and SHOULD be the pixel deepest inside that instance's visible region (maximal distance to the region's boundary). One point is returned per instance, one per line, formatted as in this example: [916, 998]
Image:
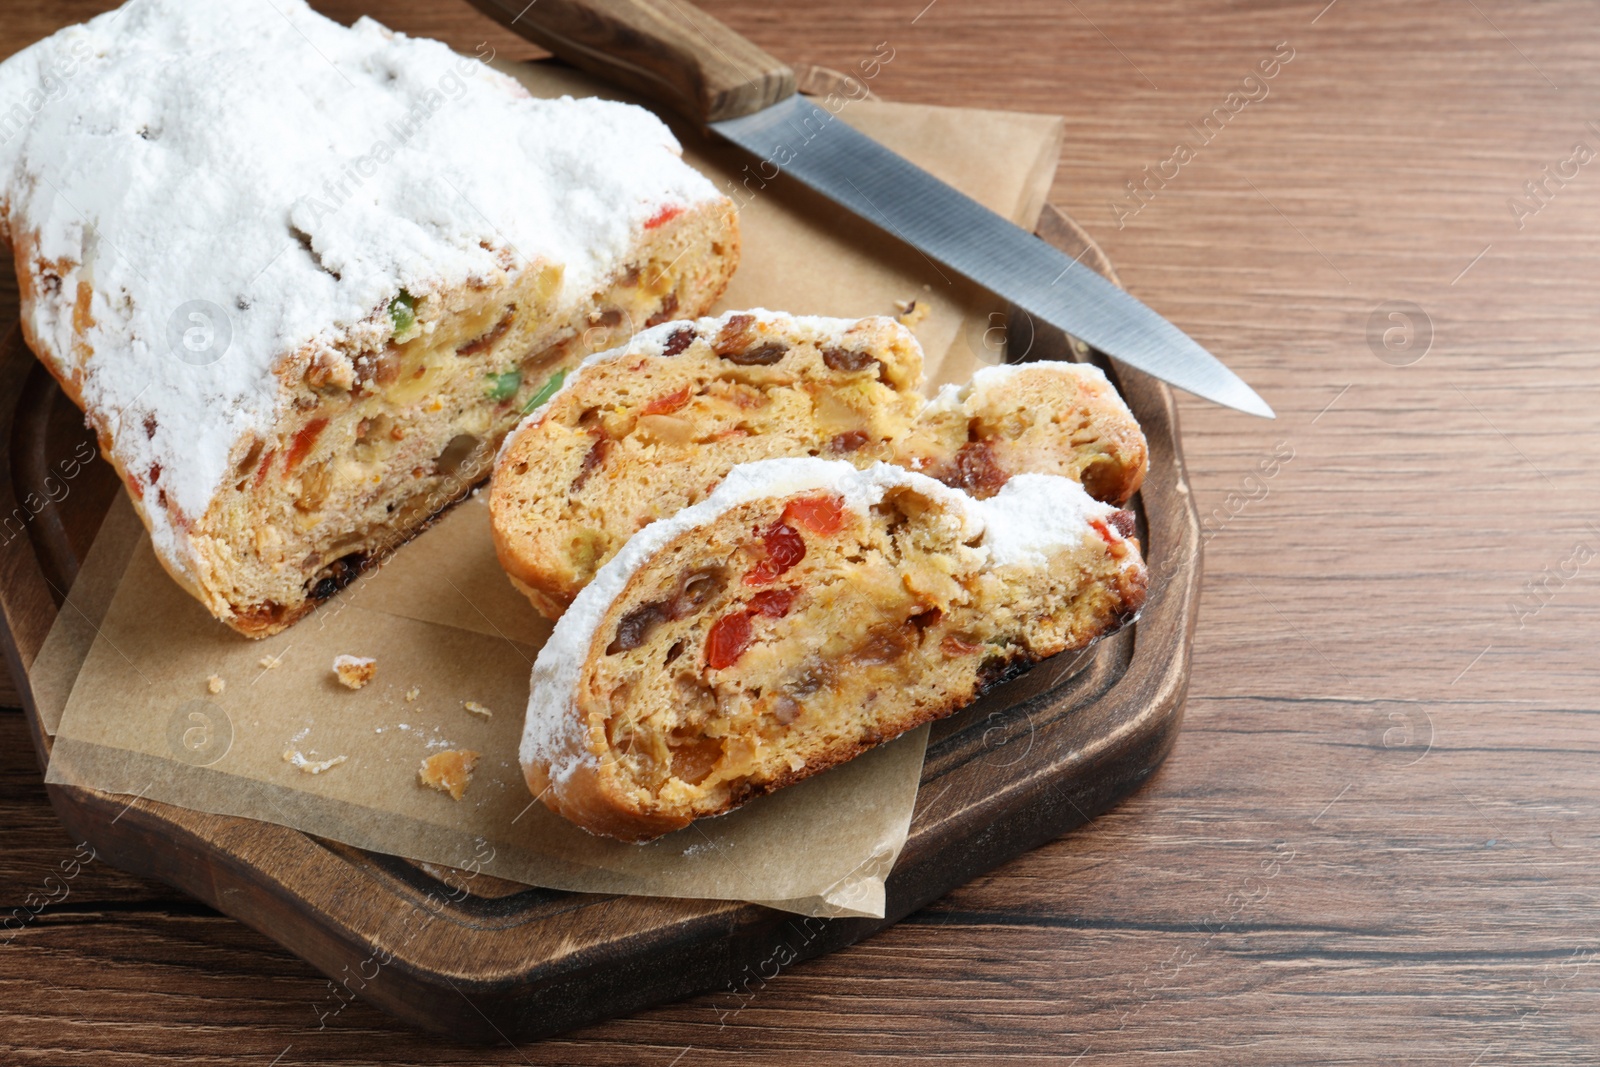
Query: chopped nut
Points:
[478, 709]
[269, 662]
[911, 312]
[354, 671]
[215, 684]
[309, 766]
[448, 771]
[413, 693]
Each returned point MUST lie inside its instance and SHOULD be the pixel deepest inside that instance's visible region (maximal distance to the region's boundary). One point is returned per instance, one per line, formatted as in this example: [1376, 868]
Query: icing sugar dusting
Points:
[234, 184]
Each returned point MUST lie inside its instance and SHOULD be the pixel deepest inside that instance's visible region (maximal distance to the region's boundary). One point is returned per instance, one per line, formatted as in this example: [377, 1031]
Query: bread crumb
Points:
[478, 709]
[269, 661]
[354, 671]
[310, 766]
[448, 771]
[911, 312]
[215, 684]
[413, 693]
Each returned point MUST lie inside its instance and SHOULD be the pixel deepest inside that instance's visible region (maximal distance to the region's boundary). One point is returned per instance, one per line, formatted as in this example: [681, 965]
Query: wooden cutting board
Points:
[486, 960]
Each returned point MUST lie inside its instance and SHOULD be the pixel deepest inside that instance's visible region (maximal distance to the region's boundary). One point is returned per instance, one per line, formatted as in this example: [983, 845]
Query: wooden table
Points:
[1376, 839]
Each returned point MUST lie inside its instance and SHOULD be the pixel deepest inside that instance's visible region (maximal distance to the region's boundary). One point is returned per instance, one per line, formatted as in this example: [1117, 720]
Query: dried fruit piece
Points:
[403, 313]
[773, 603]
[729, 637]
[821, 513]
[678, 342]
[761, 356]
[504, 386]
[303, 441]
[546, 391]
[976, 470]
[449, 771]
[735, 335]
[784, 546]
[592, 460]
[668, 403]
[847, 359]
[635, 628]
[850, 441]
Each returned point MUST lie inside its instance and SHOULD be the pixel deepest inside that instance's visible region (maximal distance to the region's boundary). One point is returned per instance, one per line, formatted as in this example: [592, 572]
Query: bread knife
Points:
[675, 54]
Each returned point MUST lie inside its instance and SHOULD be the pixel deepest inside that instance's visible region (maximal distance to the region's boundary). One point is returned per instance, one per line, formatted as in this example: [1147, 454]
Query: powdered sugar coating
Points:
[1030, 514]
[284, 177]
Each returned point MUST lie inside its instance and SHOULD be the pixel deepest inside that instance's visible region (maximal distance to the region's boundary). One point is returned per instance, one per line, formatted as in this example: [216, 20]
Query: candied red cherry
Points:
[729, 637]
[785, 547]
[773, 603]
[821, 513]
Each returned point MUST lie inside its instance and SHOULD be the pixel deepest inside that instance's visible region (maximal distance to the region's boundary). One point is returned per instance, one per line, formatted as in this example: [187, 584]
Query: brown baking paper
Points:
[122, 679]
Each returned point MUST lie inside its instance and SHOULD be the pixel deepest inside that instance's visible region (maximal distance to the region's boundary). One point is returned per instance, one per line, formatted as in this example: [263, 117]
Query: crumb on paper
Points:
[449, 771]
[215, 684]
[268, 662]
[413, 693]
[911, 312]
[478, 709]
[306, 765]
[354, 671]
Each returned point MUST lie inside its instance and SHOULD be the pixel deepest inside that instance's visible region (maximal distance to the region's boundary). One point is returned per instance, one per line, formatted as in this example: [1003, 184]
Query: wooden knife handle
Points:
[668, 50]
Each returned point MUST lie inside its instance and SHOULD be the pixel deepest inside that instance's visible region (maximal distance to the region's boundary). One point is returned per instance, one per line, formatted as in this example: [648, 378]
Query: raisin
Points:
[697, 591]
[785, 547]
[953, 645]
[847, 359]
[773, 603]
[764, 356]
[678, 342]
[975, 470]
[155, 473]
[924, 619]
[591, 461]
[735, 335]
[822, 513]
[635, 627]
[883, 646]
[667, 404]
[341, 572]
[729, 637]
[853, 441]
[1123, 520]
[149, 425]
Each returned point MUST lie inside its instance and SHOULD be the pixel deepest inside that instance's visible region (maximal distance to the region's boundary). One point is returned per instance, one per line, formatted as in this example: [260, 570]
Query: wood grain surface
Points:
[1375, 840]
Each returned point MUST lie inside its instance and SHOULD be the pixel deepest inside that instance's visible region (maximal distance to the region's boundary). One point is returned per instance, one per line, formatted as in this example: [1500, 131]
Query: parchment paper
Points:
[122, 679]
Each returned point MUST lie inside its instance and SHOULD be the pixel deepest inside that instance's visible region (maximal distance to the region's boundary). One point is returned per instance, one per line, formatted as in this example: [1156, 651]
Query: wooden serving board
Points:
[490, 960]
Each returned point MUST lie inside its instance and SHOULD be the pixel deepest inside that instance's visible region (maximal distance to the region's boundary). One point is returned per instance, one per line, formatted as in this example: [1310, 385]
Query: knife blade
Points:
[679, 55]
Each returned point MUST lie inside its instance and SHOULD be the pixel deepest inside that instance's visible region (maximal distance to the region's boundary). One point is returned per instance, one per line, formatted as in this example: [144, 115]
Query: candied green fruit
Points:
[504, 386]
[546, 391]
[403, 313]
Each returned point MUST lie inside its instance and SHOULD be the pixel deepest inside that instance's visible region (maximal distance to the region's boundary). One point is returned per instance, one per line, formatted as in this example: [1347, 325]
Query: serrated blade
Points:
[886, 189]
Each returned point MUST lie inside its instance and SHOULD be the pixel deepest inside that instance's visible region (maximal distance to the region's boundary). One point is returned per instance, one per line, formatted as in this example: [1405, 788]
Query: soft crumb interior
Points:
[368, 456]
[719, 674]
[668, 430]
[640, 438]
